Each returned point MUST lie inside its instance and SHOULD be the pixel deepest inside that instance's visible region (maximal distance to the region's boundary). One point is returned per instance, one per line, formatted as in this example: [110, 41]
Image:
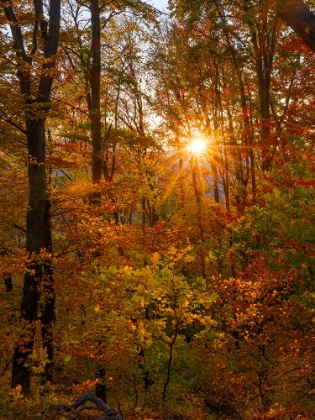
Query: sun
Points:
[197, 146]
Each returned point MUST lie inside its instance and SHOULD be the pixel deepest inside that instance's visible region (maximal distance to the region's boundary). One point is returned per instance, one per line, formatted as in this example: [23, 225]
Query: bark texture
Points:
[39, 273]
[297, 15]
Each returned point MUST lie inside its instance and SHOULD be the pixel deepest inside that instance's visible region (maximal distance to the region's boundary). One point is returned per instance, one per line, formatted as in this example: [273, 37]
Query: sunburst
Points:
[197, 146]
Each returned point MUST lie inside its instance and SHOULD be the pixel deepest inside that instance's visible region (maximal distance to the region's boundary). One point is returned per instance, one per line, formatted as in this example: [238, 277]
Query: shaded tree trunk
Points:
[98, 166]
[297, 15]
[48, 312]
[264, 41]
[8, 283]
[35, 244]
[38, 234]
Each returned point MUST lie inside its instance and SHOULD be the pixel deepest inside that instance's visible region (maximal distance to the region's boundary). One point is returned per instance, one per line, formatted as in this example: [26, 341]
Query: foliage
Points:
[180, 285]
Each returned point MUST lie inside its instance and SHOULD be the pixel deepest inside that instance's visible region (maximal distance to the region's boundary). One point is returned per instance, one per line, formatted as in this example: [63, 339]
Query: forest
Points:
[157, 210]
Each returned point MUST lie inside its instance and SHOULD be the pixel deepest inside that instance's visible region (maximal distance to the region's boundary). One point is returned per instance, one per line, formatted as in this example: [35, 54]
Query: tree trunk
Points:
[48, 312]
[95, 103]
[98, 164]
[38, 274]
[35, 244]
[296, 14]
[263, 69]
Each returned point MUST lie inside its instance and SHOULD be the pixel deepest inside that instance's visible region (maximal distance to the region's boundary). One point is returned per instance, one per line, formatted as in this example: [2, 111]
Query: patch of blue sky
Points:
[159, 4]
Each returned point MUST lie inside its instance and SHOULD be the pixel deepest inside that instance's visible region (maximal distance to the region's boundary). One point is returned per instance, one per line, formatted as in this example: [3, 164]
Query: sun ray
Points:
[173, 184]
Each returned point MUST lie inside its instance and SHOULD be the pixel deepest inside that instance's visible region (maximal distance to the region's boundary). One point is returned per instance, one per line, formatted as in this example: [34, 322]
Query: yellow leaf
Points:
[97, 308]
[155, 259]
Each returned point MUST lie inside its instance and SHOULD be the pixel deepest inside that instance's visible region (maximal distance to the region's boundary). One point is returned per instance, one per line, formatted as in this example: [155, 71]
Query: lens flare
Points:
[197, 146]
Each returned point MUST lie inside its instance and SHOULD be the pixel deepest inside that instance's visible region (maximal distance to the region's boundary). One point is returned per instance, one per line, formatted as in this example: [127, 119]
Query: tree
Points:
[35, 93]
[298, 16]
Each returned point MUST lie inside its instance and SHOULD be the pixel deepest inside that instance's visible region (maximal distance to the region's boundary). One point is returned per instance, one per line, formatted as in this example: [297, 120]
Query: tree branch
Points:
[99, 404]
[297, 15]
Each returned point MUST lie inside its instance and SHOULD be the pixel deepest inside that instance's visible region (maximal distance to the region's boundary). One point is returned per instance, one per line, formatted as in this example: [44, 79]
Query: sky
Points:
[160, 4]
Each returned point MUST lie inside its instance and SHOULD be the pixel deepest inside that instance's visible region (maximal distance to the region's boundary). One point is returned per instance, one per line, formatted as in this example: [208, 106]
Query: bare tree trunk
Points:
[98, 166]
[48, 312]
[95, 102]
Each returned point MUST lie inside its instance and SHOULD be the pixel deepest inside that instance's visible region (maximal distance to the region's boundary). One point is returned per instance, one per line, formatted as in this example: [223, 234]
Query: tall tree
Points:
[35, 79]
